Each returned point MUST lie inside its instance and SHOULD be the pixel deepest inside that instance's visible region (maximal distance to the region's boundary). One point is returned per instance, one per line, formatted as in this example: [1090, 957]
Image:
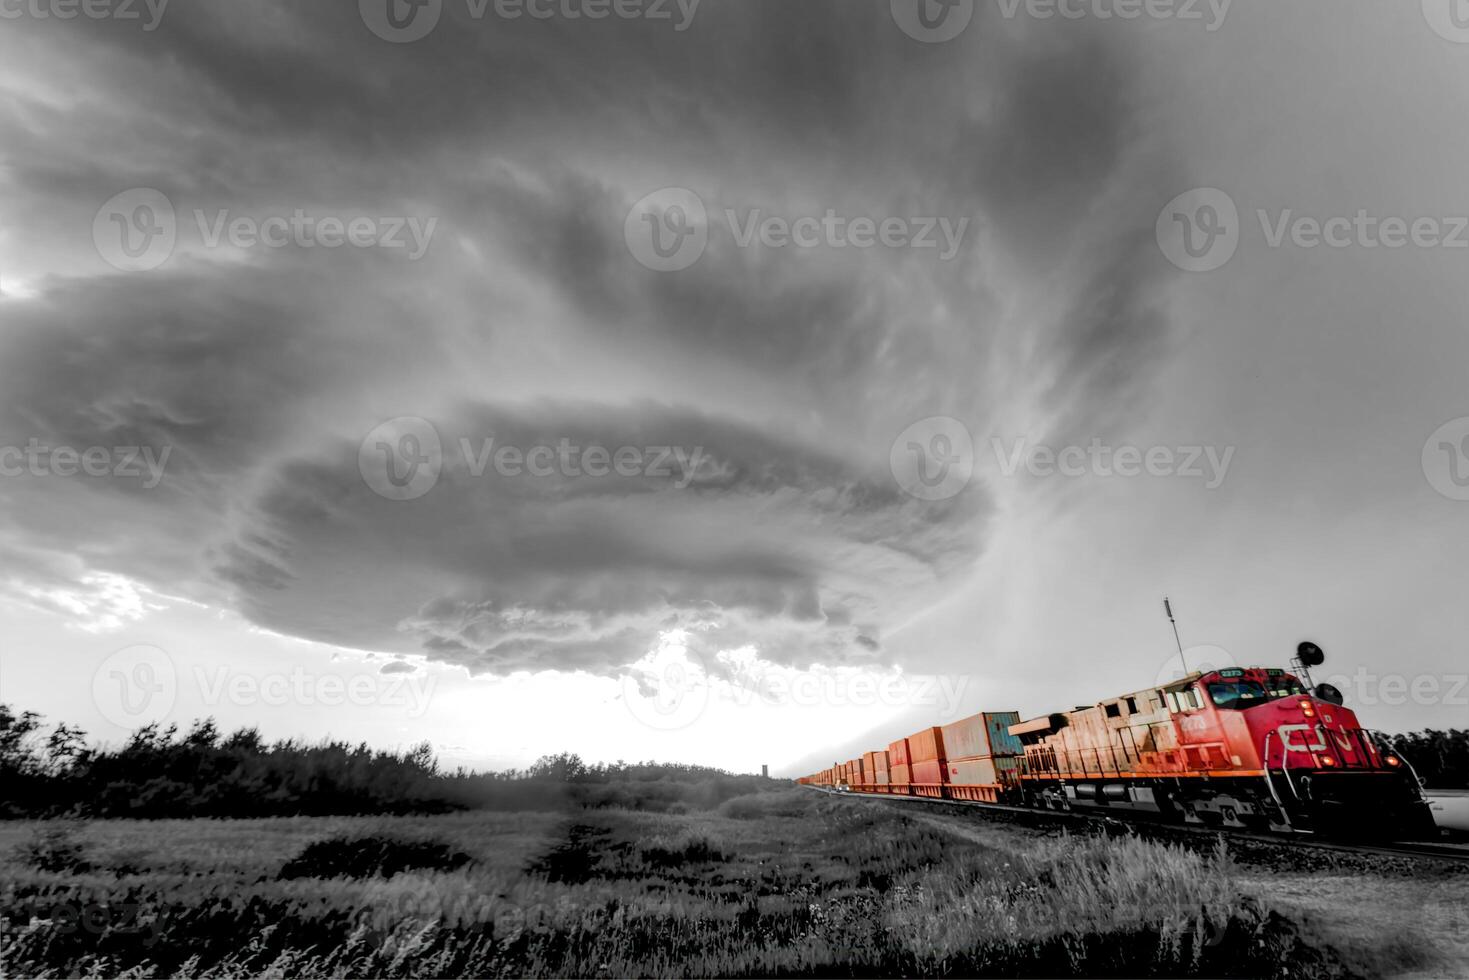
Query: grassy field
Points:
[789, 882]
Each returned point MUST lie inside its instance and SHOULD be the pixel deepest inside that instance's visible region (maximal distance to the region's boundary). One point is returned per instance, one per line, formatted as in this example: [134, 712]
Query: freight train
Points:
[1246, 748]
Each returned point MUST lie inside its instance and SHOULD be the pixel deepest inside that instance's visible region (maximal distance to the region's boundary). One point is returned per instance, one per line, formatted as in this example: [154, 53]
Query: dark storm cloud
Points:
[765, 540]
[530, 321]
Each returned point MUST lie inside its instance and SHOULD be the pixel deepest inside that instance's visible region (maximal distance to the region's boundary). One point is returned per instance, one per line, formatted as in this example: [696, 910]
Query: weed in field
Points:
[364, 857]
[55, 848]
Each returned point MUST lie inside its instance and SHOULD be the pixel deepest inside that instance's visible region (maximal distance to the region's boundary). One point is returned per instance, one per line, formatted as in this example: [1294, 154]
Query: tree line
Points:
[1441, 759]
[201, 772]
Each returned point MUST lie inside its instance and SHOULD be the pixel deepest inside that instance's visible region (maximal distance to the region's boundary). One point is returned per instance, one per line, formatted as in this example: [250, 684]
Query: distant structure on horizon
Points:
[765, 771]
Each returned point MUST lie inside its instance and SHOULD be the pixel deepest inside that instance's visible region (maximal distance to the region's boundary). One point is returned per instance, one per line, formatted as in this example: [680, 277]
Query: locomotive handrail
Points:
[1285, 766]
[1269, 781]
[1417, 783]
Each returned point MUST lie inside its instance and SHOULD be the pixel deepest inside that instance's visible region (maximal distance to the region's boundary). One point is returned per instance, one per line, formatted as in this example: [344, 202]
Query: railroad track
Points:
[1428, 849]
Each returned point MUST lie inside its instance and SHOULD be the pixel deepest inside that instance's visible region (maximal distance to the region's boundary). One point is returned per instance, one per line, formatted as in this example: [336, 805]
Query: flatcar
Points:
[1249, 748]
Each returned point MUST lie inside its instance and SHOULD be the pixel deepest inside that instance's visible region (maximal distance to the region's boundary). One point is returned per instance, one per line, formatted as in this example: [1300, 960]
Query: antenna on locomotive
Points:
[1168, 608]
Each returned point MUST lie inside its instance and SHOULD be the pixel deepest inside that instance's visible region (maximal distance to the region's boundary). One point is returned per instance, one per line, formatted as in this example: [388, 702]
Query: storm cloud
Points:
[528, 320]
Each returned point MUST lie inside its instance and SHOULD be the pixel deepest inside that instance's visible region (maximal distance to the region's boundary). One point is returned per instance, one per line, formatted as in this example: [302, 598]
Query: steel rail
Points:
[1447, 852]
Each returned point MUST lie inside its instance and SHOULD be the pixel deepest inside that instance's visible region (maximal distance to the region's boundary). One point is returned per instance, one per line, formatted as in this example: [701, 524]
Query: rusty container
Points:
[996, 771]
[898, 754]
[981, 736]
[928, 778]
[898, 779]
[926, 746]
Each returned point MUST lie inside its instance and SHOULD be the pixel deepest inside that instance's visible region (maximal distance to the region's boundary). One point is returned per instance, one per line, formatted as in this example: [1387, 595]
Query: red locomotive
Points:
[1244, 748]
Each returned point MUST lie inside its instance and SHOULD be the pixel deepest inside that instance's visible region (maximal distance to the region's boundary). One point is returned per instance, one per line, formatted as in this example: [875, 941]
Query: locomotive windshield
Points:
[1242, 694]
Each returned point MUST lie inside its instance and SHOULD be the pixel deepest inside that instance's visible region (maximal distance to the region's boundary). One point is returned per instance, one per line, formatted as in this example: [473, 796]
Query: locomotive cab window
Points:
[1114, 710]
[1283, 687]
[1237, 694]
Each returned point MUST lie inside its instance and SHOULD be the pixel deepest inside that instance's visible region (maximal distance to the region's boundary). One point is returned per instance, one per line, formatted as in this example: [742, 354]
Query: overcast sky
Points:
[337, 275]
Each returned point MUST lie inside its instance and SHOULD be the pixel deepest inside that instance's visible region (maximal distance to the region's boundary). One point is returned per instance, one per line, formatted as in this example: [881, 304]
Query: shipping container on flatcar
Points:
[982, 757]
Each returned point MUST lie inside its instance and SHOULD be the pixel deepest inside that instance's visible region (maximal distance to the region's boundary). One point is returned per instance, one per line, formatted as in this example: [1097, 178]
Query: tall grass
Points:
[793, 884]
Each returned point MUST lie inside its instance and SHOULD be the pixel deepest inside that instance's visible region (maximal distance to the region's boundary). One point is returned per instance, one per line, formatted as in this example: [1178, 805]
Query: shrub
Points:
[367, 857]
[56, 849]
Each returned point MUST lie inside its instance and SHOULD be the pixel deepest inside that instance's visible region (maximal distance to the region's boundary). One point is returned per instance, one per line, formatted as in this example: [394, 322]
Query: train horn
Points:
[1329, 694]
[1310, 654]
